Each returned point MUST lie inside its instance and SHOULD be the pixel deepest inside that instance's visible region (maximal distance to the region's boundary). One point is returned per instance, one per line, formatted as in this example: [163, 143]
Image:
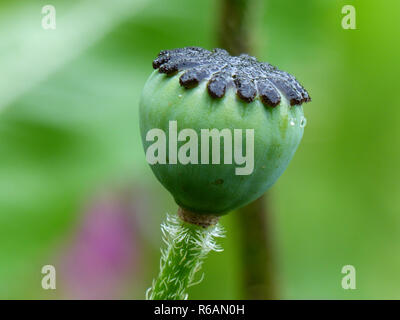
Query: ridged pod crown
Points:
[248, 76]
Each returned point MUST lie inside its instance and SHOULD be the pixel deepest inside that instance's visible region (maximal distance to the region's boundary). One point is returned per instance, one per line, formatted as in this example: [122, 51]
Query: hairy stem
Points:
[187, 245]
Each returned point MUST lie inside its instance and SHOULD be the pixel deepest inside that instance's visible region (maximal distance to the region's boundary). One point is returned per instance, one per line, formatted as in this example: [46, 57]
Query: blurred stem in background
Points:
[237, 25]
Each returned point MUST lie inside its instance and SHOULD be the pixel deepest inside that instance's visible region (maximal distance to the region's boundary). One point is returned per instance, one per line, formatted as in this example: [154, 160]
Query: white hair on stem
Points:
[182, 258]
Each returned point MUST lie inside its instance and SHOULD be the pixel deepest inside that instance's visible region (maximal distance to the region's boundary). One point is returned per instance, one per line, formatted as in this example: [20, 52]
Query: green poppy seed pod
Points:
[250, 110]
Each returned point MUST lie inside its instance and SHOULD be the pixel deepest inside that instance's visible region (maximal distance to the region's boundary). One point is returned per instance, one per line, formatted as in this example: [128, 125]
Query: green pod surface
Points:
[216, 188]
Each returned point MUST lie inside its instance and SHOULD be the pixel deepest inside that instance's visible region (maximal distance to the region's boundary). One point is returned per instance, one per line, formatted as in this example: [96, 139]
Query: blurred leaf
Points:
[29, 54]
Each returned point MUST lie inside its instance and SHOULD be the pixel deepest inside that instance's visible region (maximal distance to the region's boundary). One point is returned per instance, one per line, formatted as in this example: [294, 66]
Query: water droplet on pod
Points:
[303, 122]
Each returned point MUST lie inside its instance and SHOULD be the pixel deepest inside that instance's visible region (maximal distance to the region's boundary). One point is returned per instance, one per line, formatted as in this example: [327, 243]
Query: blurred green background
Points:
[70, 150]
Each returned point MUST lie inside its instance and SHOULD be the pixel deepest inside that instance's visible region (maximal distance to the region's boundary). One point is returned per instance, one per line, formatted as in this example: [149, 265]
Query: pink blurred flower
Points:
[105, 251]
